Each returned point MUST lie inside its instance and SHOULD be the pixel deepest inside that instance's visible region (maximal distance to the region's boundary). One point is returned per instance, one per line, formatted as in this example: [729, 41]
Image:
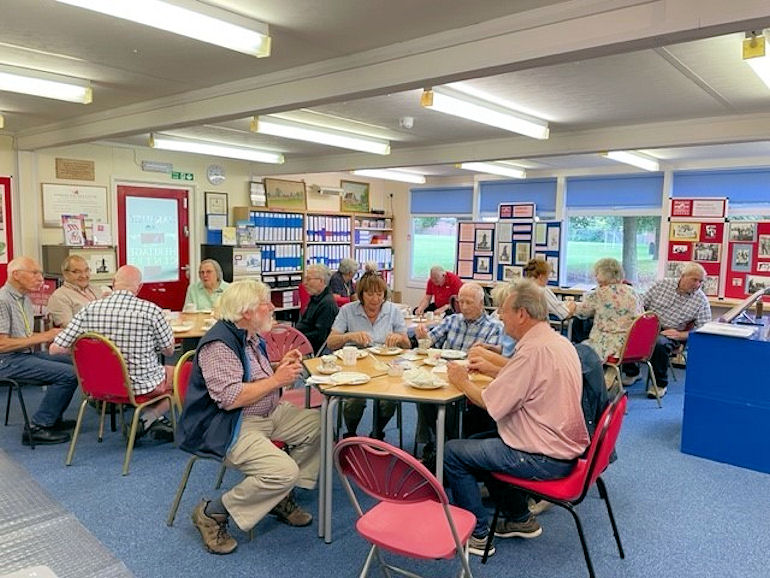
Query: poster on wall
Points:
[748, 260]
[476, 250]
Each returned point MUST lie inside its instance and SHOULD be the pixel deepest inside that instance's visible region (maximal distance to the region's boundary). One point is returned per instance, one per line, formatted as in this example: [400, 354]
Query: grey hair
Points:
[321, 270]
[216, 265]
[608, 270]
[478, 291]
[691, 268]
[18, 264]
[65, 265]
[501, 292]
[347, 266]
[528, 295]
[436, 270]
[241, 296]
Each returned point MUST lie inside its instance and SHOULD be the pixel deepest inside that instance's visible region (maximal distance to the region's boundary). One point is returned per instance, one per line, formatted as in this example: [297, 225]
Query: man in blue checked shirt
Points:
[459, 331]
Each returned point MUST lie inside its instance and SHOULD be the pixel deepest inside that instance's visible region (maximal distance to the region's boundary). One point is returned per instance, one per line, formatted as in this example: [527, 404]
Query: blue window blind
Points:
[442, 201]
[629, 191]
[741, 187]
[542, 192]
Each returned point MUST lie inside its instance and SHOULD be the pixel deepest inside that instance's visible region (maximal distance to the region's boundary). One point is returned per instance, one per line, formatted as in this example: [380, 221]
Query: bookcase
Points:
[327, 239]
[373, 242]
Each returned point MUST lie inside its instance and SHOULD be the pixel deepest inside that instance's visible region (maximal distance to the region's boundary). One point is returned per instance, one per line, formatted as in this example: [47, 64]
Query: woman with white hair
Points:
[205, 293]
[341, 283]
[613, 304]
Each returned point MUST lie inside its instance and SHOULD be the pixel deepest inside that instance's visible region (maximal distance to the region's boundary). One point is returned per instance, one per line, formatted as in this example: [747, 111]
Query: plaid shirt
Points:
[137, 328]
[677, 310]
[223, 373]
[456, 332]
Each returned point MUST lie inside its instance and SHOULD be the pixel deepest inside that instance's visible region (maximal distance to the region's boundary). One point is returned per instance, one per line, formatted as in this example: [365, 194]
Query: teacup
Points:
[349, 355]
[395, 369]
[424, 343]
[328, 361]
[434, 355]
[429, 315]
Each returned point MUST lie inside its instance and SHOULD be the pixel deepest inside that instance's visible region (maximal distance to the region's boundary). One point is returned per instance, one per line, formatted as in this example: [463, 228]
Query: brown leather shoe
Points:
[289, 512]
[213, 530]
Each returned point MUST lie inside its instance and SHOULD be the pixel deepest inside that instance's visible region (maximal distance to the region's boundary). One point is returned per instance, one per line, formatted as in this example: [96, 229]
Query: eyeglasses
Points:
[80, 271]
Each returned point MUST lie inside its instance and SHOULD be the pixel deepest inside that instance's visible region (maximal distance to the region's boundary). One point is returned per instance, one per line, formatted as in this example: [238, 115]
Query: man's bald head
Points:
[127, 278]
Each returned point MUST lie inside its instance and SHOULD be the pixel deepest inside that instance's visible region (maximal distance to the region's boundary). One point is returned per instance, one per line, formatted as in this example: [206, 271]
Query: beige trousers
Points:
[271, 473]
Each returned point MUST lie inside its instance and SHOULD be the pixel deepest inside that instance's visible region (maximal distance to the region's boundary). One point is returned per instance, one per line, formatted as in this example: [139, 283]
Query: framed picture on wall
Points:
[282, 194]
[355, 197]
[216, 203]
[741, 258]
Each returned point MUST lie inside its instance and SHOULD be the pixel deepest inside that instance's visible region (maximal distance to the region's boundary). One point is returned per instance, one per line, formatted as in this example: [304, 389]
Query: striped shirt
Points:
[223, 373]
[16, 315]
[677, 310]
[136, 327]
[457, 332]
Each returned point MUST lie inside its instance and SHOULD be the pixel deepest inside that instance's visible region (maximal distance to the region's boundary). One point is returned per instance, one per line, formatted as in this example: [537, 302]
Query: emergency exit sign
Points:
[178, 176]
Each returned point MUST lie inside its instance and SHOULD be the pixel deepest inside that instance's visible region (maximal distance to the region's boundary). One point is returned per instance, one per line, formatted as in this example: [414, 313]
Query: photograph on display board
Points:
[681, 251]
[553, 238]
[522, 253]
[674, 268]
[505, 253]
[554, 263]
[741, 258]
[763, 266]
[540, 256]
[483, 265]
[764, 247]
[706, 252]
[756, 282]
[512, 273]
[737, 281]
[743, 231]
[483, 240]
[711, 285]
[504, 231]
[506, 211]
[541, 230]
[681, 208]
[710, 232]
[684, 231]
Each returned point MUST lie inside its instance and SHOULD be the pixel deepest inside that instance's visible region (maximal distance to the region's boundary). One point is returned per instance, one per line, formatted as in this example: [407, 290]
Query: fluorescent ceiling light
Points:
[391, 175]
[458, 104]
[2, 121]
[495, 168]
[635, 159]
[754, 54]
[317, 134]
[171, 143]
[45, 84]
[189, 18]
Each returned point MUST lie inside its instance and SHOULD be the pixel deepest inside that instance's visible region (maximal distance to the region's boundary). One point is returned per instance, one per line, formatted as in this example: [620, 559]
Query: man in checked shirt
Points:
[232, 412]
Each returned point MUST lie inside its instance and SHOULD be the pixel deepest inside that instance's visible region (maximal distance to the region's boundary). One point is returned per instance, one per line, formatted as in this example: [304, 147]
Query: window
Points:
[589, 238]
[434, 242]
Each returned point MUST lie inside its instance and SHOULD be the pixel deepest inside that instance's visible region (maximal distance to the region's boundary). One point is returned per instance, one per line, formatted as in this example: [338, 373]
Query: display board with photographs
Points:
[476, 250]
[697, 232]
[548, 246]
[515, 234]
[748, 258]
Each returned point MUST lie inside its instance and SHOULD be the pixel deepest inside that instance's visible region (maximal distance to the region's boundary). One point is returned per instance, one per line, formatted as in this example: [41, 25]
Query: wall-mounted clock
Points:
[216, 174]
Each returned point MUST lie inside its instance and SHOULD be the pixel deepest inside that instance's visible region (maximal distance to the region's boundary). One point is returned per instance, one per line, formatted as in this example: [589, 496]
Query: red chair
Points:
[182, 372]
[304, 298]
[570, 491]
[281, 339]
[637, 348]
[103, 377]
[413, 517]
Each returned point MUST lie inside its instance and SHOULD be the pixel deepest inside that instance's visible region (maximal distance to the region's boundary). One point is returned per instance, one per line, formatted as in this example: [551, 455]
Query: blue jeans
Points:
[55, 371]
[466, 462]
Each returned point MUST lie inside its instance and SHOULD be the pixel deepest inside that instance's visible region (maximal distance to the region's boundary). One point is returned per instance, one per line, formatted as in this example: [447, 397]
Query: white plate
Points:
[453, 354]
[349, 378]
[411, 355]
[360, 353]
[433, 363]
[435, 383]
[333, 369]
[382, 350]
[319, 379]
[182, 327]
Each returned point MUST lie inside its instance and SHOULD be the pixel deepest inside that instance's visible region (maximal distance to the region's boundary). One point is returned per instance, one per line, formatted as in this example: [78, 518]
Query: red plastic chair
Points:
[182, 372]
[103, 377]
[637, 348]
[281, 339]
[413, 517]
[304, 298]
[570, 491]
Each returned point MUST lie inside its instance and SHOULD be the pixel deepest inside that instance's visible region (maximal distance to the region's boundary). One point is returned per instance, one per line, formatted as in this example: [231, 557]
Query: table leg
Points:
[322, 469]
[328, 470]
[440, 437]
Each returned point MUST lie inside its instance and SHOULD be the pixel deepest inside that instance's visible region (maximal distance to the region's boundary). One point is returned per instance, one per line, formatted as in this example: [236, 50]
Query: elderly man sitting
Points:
[442, 286]
[140, 331]
[233, 411]
[76, 291]
[460, 331]
[316, 321]
[681, 306]
[536, 402]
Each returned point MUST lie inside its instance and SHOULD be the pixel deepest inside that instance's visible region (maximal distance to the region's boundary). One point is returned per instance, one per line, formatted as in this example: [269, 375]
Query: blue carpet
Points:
[678, 515]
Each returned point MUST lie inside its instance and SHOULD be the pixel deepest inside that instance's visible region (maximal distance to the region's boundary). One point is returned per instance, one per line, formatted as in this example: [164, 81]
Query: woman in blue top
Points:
[205, 293]
[372, 320]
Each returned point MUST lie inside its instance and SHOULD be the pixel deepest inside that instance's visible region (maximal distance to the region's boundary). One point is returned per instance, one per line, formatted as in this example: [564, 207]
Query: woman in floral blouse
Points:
[613, 304]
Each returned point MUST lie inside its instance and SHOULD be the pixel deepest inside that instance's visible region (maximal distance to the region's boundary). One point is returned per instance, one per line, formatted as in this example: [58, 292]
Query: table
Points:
[199, 325]
[380, 387]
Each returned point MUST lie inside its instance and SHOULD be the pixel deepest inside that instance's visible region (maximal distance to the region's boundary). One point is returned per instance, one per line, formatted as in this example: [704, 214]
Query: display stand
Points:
[475, 250]
[748, 258]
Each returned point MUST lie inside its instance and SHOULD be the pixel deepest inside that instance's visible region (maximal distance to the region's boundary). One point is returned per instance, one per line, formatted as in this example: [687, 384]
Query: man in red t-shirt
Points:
[442, 286]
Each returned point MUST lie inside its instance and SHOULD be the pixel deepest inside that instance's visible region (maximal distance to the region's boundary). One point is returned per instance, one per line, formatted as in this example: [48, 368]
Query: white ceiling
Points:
[665, 76]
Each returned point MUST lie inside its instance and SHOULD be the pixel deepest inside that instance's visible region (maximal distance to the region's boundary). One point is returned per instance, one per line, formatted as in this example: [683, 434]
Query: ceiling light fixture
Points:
[189, 18]
[45, 84]
[456, 103]
[754, 54]
[2, 121]
[317, 134]
[215, 149]
[635, 159]
[495, 168]
[391, 175]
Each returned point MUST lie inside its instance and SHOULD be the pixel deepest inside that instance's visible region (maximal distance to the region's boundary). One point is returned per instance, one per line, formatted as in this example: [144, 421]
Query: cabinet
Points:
[328, 239]
[373, 242]
[101, 260]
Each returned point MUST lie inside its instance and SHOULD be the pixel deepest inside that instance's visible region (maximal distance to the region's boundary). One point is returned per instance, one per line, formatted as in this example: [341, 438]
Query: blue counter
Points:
[727, 400]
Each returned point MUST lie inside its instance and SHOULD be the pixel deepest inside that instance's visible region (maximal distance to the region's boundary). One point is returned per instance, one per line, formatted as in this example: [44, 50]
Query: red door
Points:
[6, 227]
[153, 236]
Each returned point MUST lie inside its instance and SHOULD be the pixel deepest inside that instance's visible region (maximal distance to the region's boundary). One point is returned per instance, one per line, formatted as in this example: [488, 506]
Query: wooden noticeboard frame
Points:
[61, 200]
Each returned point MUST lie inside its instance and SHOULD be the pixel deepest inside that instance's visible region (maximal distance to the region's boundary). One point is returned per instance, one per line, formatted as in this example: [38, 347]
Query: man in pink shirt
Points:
[535, 401]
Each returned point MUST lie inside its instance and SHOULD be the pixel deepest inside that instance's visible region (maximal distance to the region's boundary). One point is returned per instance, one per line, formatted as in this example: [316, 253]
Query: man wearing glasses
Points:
[76, 291]
[316, 322]
[19, 361]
